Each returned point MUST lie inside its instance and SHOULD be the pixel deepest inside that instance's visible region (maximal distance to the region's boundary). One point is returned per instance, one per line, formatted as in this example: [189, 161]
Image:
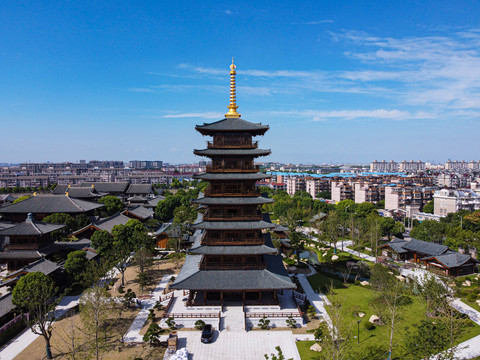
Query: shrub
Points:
[121, 290]
[291, 322]
[368, 325]
[264, 323]
[199, 324]
[471, 297]
[170, 323]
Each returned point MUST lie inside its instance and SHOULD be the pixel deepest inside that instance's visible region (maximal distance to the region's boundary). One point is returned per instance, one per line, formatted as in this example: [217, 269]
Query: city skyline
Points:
[336, 83]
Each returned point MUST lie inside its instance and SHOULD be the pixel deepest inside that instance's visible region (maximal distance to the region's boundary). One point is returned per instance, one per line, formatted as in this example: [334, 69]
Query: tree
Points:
[429, 338]
[324, 195]
[429, 230]
[34, 294]
[390, 300]
[428, 207]
[61, 218]
[102, 241]
[95, 307]
[278, 356]
[386, 226]
[76, 264]
[364, 209]
[112, 203]
[152, 335]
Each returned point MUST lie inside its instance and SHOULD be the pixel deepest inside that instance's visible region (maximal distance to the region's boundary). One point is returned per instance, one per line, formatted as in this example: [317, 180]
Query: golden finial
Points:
[232, 113]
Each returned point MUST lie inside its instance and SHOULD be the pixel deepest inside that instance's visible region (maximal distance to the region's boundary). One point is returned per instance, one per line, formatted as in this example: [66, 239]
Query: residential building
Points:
[450, 201]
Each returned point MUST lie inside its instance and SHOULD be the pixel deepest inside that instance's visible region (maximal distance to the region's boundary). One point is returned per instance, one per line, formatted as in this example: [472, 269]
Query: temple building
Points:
[26, 242]
[234, 260]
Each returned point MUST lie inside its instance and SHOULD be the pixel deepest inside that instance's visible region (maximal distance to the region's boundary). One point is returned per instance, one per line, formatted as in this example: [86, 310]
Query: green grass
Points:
[305, 352]
[358, 298]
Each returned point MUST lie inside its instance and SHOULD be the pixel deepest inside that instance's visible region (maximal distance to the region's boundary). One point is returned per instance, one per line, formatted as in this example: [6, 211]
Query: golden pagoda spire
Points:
[232, 113]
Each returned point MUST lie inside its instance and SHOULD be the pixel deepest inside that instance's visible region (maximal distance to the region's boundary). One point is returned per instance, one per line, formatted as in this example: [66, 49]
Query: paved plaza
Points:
[239, 345]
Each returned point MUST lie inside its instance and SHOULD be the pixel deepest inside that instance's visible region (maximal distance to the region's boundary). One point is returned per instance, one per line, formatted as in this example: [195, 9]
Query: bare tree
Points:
[95, 307]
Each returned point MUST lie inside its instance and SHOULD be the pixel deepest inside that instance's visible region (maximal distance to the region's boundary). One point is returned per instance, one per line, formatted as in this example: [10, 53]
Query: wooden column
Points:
[204, 297]
[243, 297]
[275, 296]
[221, 297]
[260, 296]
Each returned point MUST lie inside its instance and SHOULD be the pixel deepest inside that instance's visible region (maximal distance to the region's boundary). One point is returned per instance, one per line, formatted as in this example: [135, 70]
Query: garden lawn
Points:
[356, 298]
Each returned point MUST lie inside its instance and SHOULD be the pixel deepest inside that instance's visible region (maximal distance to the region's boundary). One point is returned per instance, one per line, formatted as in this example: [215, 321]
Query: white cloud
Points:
[204, 115]
[316, 115]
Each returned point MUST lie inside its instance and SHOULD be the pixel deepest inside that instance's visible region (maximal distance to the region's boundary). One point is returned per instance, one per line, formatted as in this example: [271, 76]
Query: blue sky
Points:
[337, 81]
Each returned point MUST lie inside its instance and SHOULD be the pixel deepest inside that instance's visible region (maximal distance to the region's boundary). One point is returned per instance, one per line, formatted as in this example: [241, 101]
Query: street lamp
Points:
[358, 331]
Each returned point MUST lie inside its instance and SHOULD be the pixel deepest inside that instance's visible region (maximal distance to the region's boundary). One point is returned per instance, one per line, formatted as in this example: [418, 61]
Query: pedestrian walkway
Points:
[317, 300]
[234, 318]
[133, 333]
[22, 341]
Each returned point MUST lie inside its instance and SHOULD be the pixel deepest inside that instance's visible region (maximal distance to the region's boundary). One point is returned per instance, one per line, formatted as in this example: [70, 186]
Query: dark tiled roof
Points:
[42, 265]
[84, 192]
[137, 199]
[141, 212]
[107, 187]
[21, 254]
[30, 227]
[232, 225]
[6, 304]
[140, 189]
[232, 124]
[232, 176]
[156, 200]
[107, 224]
[424, 247]
[273, 277]
[397, 246]
[50, 204]
[60, 189]
[233, 152]
[239, 200]
[452, 260]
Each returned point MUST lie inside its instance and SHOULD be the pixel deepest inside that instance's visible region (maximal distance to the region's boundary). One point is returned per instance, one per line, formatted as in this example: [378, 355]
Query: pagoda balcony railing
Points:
[226, 216]
[228, 192]
[231, 241]
[243, 144]
[242, 169]
[231, 266]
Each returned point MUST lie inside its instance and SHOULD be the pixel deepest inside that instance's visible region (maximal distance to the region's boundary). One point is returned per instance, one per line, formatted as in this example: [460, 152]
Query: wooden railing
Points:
[227, 216]
[233, 169]
[229, 192]
[227, 266]
[245, 144]
[272, 314]
[166, 297]
[169, 304]
[192, 315]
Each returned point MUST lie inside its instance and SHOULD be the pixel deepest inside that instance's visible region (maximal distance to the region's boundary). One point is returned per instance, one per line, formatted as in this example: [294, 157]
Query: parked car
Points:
[207, 334]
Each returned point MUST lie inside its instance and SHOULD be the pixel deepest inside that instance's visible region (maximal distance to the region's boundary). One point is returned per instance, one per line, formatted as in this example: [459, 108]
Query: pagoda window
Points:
[215, 234]
[250, 235]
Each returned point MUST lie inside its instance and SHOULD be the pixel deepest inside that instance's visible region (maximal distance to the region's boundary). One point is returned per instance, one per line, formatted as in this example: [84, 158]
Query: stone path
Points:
[234, 319]
[317, 300]
[133, 333]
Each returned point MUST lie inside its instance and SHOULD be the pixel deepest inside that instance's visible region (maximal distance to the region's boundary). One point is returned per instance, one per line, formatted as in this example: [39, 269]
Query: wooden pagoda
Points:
[233, 259]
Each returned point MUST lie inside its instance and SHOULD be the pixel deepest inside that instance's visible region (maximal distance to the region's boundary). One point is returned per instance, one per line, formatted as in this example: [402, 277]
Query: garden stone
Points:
[316, 347]
[361, 314]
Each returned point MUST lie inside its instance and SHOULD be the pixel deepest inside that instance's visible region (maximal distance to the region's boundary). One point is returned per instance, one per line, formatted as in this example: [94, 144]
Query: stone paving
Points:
[233, 345]
[133, 333]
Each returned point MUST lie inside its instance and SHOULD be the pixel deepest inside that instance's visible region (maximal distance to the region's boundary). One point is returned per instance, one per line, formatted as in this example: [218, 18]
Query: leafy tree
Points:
[21, 198]
[112, 203]
[428, 207]
[324, 195]
[364, 209]
[76, 264]
[386, 225]
[346, 206]
[61, 218]
[164, 210]
[380, 204]
[102, 241]
[429, 338]
[34, 294]
[184, 214]
[429, 230]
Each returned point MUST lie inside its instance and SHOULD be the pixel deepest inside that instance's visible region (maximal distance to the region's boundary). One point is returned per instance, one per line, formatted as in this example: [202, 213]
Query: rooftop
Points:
[232, 125]
[50, 204]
